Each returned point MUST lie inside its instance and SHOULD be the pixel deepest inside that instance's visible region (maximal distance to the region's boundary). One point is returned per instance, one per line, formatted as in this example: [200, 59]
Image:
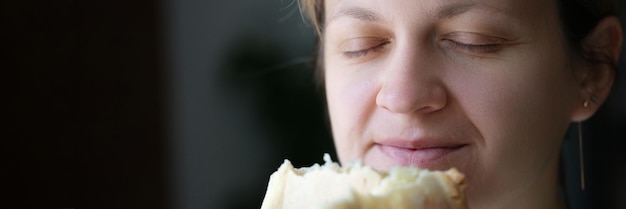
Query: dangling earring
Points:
[580, 153]
[592, 99]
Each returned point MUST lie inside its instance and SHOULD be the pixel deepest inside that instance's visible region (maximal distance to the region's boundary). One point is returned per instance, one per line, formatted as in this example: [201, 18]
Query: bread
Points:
[357, 186]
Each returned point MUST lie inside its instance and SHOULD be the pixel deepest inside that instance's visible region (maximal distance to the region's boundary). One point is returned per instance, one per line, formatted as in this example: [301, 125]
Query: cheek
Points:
[351, 101]
[521, 107]
[524, 95]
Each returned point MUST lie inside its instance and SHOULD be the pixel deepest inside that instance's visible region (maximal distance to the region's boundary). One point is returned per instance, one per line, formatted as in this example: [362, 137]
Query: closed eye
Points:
[473, 48]
[363, 52]
[473, 43]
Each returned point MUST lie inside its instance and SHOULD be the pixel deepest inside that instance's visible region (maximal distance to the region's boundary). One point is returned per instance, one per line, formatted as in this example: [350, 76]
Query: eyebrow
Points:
[443, 12]
[449, 11]
[359, 13]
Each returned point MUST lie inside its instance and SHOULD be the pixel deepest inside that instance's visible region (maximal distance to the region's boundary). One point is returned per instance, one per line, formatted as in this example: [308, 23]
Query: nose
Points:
[411, 84]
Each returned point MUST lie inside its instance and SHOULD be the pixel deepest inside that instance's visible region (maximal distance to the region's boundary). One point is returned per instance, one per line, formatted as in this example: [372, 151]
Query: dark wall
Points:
[85, 95]
[243, 99]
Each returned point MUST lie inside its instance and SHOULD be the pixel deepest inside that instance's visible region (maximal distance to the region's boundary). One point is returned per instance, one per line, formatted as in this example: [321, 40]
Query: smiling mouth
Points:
[428, 157]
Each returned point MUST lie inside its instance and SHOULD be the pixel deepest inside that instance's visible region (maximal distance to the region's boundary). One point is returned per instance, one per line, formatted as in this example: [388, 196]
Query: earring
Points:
[593, 99]
[580, 153]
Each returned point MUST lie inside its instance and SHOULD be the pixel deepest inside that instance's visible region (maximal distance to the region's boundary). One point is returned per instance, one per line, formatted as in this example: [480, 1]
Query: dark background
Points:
[189, 104]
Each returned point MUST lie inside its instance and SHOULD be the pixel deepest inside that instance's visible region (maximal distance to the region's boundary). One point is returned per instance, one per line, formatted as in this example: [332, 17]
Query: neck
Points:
[544, 193]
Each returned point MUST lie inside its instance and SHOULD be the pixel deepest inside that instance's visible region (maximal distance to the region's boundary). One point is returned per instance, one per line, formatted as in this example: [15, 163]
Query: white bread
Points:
[357, 186]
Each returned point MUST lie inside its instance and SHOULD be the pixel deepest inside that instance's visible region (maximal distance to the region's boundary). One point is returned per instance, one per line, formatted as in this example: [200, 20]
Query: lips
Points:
[431, 154]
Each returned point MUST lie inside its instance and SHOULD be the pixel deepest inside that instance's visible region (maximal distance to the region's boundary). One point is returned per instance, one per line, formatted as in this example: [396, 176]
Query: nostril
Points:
[438, 99]
[404, 99]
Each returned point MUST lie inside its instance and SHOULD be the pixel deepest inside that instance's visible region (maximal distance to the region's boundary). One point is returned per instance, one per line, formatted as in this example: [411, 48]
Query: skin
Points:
[485, 86]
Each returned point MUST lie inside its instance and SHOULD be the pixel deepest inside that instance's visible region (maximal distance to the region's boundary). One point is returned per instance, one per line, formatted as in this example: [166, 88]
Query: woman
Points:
[486, 86]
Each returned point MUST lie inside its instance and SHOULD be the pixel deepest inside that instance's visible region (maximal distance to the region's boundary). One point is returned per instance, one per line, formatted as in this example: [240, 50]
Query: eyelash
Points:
[473, 48]
[364, 52]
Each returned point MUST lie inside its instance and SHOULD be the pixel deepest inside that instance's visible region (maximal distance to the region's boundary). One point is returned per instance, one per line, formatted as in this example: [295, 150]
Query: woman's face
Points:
[481, 85]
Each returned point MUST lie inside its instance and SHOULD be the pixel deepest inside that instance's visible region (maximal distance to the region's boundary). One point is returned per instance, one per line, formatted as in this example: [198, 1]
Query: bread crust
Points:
[353, 186]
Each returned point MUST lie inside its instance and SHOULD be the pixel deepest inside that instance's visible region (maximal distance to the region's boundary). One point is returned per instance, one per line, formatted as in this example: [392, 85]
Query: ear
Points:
[601, 49]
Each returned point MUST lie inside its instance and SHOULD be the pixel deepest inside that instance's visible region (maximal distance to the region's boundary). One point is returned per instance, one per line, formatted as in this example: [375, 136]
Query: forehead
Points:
[390, 10]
